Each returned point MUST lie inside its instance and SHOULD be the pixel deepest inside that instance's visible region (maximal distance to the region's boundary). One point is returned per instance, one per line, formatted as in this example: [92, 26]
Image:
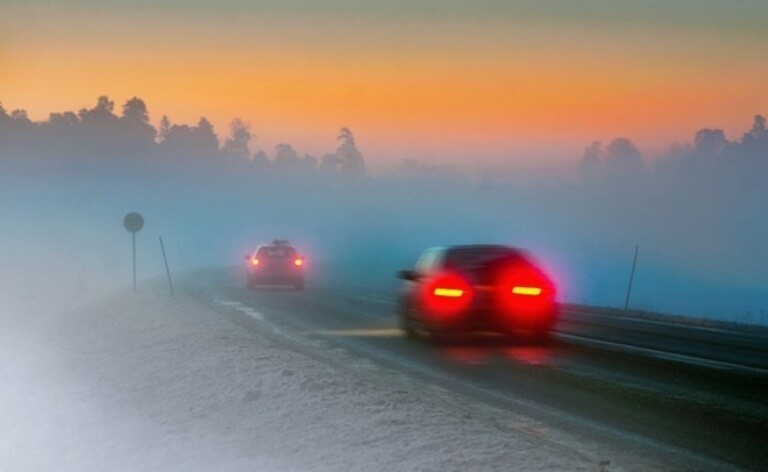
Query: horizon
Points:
[500, 169]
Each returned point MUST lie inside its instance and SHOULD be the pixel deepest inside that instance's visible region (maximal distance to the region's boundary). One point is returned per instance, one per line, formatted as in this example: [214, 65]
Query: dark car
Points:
[276, 263]
[462, 289]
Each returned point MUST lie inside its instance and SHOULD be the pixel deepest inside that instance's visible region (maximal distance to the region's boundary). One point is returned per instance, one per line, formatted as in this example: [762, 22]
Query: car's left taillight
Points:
[446, 296]
[255, 261]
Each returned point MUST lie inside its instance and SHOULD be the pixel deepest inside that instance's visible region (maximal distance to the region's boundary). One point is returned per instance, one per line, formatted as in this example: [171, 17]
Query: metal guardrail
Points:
[735, 347]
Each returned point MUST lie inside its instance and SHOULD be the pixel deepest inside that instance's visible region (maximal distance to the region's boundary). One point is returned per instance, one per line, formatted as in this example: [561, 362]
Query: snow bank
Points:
[139, 382]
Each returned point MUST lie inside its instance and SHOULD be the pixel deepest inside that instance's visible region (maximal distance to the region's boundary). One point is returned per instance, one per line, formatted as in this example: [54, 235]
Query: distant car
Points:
[276, 263]
[462, 289]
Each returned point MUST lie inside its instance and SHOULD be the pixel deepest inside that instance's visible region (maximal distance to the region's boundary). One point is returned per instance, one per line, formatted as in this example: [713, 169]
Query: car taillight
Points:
[448, 292]
[255, 261]
[528, 291]
[298, 262]
[446, 296]
[525, 290]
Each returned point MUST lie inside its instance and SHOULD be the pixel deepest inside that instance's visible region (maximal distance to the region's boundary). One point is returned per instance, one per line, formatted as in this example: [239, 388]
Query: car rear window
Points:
[476, 260]
[276, 252]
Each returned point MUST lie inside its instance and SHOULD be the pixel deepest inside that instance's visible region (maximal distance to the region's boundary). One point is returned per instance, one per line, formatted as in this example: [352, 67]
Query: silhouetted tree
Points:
[190, 142]
[758, 130]
[137, 133]
[754, 143]
[22, 130]
[135, 111]
[622, 157]
[178, 141]
[260, 158]
[63, 121]
[205, 138]
[100, 134]
[62, 130]
[347, 158]
[592, 159]
[205, 128]
[709, 143]
[164, 130]
[100, 114]
[286, 158]
[20, 117]
[240, 136]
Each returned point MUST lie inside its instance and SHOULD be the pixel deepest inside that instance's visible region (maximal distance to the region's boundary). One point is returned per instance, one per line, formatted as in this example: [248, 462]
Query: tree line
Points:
[100, 133]
[709, 152]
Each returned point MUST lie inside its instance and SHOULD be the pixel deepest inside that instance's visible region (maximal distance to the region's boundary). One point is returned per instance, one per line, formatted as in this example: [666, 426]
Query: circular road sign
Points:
[133, 222]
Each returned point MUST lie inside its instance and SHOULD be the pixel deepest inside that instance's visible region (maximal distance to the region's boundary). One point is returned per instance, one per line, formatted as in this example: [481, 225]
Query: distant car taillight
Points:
[255, 261]
[298, 262]
[446, 296]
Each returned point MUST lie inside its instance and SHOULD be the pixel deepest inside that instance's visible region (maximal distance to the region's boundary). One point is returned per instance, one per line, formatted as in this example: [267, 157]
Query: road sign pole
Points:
[133, 222]
[631, 278]
[133, 237]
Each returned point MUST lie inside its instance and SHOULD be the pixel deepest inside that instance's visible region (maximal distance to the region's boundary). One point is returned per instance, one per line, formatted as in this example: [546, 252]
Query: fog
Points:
[699, 213]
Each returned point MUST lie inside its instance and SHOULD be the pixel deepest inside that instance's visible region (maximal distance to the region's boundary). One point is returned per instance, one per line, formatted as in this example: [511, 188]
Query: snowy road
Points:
[322, 381]
[142, 382]
[658, 395]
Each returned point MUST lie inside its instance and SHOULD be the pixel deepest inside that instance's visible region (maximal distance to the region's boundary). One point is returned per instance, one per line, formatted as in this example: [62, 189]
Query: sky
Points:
[481, 83]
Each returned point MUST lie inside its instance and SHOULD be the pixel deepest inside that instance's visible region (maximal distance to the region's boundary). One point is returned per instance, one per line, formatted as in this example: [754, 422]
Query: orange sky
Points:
[443, 90]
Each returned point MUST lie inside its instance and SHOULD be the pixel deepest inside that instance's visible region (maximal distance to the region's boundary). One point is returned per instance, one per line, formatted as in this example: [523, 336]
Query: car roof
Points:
[281, 244]
[479, 247]
[463, 249]
[468, 248]
[276, 243]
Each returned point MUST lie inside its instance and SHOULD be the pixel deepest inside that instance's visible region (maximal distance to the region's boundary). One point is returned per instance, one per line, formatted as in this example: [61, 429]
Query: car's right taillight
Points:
[527, 291]
[523, 289]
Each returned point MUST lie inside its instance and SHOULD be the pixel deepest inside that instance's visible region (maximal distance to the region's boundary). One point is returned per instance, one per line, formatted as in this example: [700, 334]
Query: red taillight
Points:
[446, 296]
[526, 291]
[298, 262]
[448, 292]
[255, 261]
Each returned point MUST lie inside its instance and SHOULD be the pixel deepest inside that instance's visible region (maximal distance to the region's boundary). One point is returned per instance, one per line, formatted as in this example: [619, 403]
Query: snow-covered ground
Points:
[140, 382]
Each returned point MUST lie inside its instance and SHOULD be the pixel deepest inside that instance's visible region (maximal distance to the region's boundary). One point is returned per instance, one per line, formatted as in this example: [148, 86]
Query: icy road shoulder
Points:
[139, 382]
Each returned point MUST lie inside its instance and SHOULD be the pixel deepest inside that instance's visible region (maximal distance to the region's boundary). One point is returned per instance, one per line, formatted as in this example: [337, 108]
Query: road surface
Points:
[692, 395]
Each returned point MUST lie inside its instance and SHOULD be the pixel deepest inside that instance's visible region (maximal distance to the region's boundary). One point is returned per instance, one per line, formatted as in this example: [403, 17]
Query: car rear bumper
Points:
[493, 321]
[275, 279]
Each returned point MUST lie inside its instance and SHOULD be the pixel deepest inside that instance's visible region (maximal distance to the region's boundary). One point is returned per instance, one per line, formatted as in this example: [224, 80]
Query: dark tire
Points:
[439, 338]
[406, 323]
[407, 326]
[540, 337]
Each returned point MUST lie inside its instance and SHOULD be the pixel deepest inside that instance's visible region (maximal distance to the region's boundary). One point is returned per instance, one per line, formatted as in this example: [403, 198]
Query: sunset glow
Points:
[499, 86]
